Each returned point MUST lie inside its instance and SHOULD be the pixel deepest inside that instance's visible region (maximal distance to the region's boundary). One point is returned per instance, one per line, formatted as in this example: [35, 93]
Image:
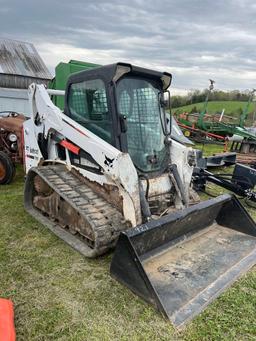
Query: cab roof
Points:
[114, 72]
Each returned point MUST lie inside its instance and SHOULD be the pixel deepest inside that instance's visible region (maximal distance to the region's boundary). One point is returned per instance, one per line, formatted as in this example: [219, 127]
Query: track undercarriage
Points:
[58, 198]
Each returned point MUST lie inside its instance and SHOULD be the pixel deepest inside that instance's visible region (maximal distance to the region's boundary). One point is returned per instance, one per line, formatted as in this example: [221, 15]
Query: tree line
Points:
[197, 96]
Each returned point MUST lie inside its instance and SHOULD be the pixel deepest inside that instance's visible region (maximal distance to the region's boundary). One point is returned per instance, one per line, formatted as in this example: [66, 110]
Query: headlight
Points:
[12, 137]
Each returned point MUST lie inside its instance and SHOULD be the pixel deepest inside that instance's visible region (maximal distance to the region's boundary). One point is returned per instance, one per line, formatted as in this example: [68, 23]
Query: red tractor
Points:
[11, 144]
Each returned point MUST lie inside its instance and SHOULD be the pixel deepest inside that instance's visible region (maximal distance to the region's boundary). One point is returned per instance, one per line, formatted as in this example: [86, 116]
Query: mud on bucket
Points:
[184, 260]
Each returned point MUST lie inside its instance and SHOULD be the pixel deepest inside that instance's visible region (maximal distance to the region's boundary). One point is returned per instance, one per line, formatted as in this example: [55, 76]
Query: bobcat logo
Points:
[108, 162]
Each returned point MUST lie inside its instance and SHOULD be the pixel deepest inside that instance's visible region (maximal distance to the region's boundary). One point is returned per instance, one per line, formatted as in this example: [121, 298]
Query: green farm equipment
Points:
[62, 73]
[218, 125]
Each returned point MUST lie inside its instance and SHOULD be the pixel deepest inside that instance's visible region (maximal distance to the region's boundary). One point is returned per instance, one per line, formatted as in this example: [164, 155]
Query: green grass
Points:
[210, 149]
[60, 295]
[231, 107]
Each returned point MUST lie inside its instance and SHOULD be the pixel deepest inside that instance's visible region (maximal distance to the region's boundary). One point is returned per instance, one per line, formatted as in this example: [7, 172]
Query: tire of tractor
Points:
[7, 169]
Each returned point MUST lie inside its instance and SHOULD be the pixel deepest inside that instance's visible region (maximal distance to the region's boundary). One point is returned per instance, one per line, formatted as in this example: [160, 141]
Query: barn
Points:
[20, 65]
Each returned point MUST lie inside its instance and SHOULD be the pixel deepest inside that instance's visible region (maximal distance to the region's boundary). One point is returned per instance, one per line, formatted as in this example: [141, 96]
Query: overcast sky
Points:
[195, 40]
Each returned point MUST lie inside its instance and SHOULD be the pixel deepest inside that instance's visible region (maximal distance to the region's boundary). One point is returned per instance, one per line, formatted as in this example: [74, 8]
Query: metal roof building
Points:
[20, 65]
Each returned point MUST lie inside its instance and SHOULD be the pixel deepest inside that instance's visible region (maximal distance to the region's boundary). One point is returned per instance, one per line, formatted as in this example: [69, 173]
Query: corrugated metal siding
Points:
[15, 104]
[14, 93]
[14, 100]
[19, 58]
[19, 82]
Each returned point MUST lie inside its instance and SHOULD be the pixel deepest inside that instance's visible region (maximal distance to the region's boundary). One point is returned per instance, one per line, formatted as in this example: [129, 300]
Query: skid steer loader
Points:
[107, 173]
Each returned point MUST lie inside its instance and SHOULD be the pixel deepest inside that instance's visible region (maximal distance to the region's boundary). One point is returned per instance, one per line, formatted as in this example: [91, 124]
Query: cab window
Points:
[88, 106]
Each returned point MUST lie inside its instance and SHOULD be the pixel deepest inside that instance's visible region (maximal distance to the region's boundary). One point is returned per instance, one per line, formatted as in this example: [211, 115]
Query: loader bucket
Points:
[184, 260]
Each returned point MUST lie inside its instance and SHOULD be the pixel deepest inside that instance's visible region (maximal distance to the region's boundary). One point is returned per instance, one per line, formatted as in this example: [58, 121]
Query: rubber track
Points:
[105, 220]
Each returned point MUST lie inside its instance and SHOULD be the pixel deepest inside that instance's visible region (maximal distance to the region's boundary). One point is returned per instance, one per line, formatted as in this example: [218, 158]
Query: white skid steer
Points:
[108, 173]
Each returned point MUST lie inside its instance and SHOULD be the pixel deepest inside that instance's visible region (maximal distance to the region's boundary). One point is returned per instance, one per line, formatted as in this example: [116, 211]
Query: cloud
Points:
[195, 40]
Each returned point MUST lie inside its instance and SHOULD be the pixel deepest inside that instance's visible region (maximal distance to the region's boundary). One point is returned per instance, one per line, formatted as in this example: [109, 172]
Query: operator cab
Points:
[123, 105]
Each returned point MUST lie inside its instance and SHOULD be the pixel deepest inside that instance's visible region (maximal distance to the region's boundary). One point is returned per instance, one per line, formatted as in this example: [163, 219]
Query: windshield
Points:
[138, 100]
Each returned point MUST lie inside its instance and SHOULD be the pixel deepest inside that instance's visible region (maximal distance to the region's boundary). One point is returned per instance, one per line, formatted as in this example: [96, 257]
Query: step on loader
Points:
[108, 172]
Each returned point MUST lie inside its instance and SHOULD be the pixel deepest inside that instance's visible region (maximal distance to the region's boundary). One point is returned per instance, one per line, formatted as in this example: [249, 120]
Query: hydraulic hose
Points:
[143, 199]
[174, 170]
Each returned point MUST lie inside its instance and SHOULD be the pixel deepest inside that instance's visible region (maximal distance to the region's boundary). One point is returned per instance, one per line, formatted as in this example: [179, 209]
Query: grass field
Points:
[60, 295]
[231, 107]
